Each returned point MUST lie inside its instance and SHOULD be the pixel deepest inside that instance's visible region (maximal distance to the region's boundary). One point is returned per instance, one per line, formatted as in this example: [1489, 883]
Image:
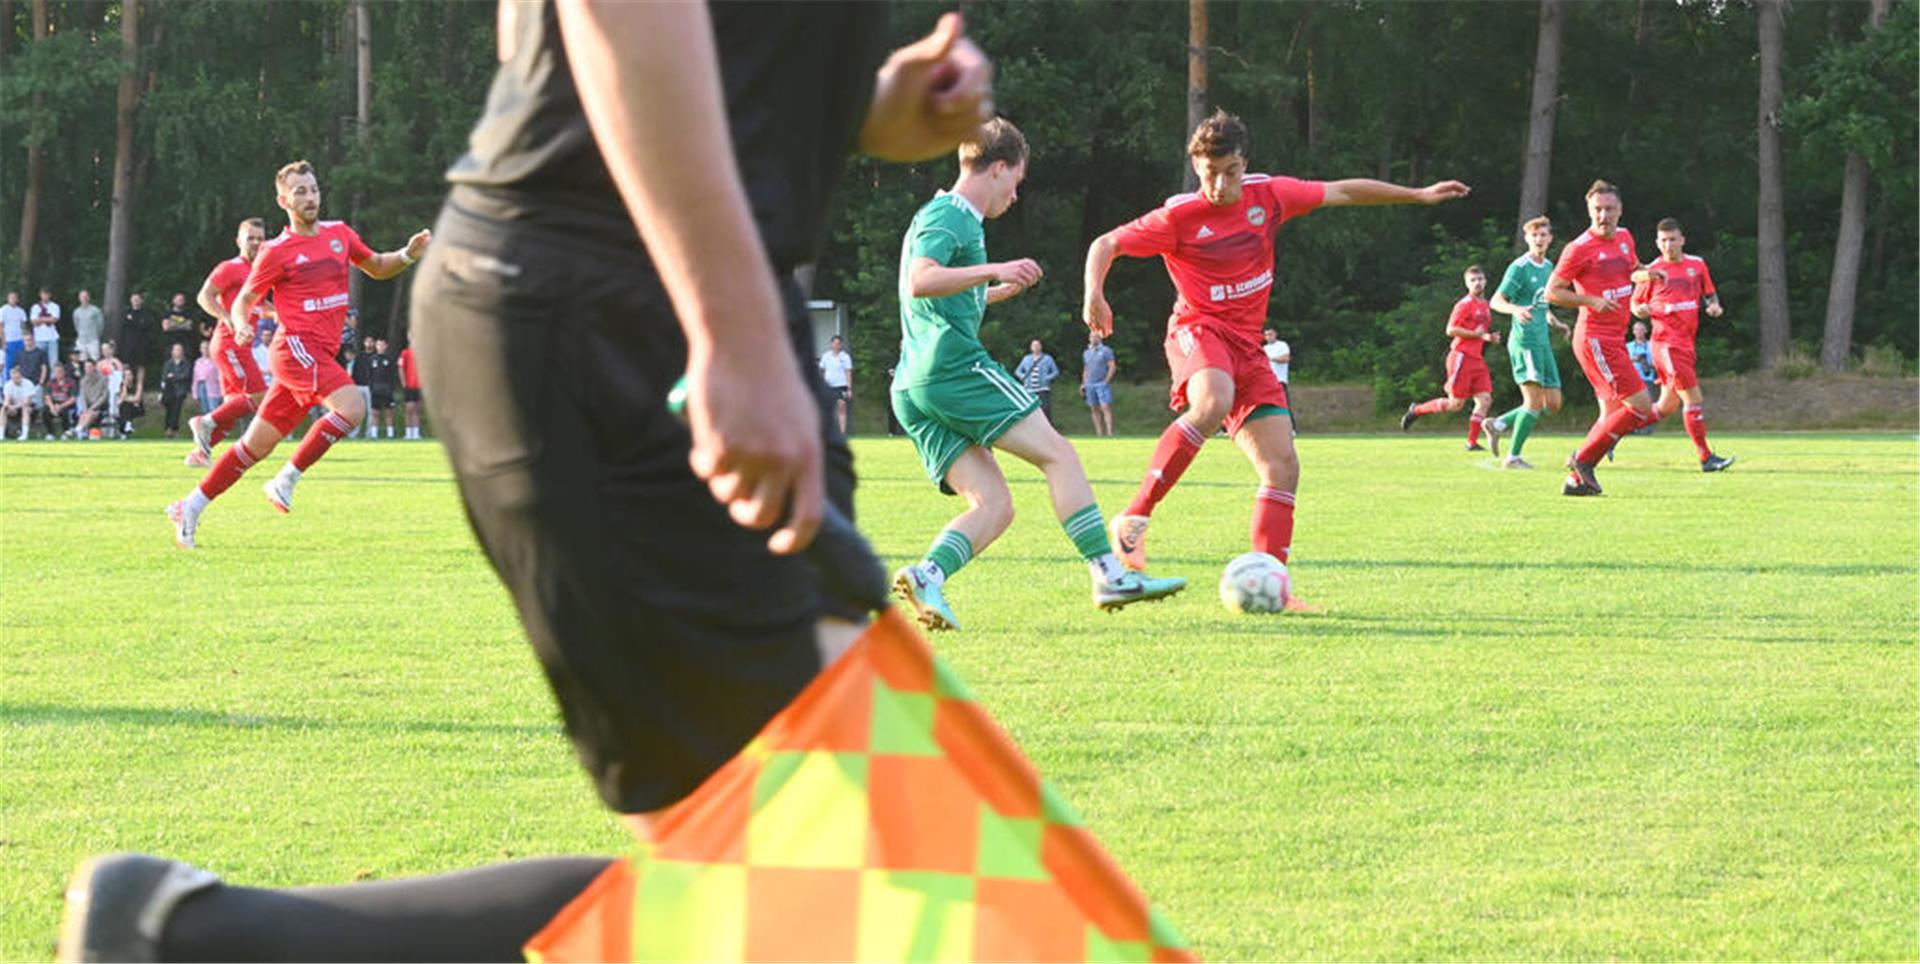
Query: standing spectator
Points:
[93, 395]
[1640, 349]
[1279, 358]
[58, 401]
[261, 356]
[18, 395]
[180, 325]
[13, 324]
[1037, 371]
[88, 322]
[836, 367]
[360, 367]
[114, 371]
[33, 361]
[1097, 366]
[382, 379]
[176, 383]
[410, 389]
[45, 314]
[206, 380]
[136, 339]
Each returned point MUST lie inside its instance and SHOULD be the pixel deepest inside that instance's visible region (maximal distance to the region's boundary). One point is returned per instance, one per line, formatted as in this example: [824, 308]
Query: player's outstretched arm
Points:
[385, 264]
[927, 278]
[1094, 309]
[929, 96]
[1361, 192]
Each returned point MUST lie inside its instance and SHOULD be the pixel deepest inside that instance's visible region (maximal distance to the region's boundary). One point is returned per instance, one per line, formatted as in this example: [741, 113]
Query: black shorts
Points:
[838, 393]
[670, 634]
[410, 394]
[380, 398]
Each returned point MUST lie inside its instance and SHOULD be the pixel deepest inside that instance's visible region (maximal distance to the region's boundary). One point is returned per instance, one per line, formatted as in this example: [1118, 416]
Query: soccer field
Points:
[1675, 722]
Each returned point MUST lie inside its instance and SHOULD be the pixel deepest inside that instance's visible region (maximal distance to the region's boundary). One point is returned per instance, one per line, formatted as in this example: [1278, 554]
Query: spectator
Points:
[33, 362]
[115, 372]
[13, 325]
[836, 367]
[1280, 358]
[45, 315]
[1097, 366]
[176, 383]
[893, 421]
[74, 366]
[360, 366]
[180, 326]
[1641, 351]
[94, 392]
[206, 380]
[382, 379]
[88, 322]
[410, 388]
[1037, 371]
[18, 395]
[59, 401]
[261, 359]
[135, 340]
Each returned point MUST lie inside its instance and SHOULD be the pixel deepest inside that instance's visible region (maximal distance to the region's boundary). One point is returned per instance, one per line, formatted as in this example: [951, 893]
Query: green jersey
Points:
[1525, 283]
[939, 336]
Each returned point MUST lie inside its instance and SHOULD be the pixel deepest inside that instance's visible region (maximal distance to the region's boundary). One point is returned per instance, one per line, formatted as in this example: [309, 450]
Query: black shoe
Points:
[1714, 463]
[1583, 474]
[1406, 421]
[1573, 486]
[117, 906]
[1477, 447]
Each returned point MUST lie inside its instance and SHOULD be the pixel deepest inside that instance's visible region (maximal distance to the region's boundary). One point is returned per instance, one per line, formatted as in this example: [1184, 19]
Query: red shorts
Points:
[1194, 344]
[239, 373]
[1675, 365]
[1467, 375]
[1608, 366]
[301, 379]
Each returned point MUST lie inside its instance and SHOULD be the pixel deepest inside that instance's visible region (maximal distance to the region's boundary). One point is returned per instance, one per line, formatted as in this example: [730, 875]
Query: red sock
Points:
[1431, 406]
[1697, 429]
[320, 438]
[228, 413]
[1273, 522]
[227, 469]
[1473, 428]
[1610, 429]
[1178, 445]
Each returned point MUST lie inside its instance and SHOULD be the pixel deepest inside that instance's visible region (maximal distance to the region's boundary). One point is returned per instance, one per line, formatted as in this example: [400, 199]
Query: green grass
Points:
[1676, 722]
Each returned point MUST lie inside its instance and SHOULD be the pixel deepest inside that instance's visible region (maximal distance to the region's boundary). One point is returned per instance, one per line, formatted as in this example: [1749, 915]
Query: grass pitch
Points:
[1678, 721]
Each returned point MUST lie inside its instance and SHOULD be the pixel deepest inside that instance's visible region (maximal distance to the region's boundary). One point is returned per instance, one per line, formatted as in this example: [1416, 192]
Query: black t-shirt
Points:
[32, 363]
[135, 326]
[381, 376]
[360, 367]
[796, 77]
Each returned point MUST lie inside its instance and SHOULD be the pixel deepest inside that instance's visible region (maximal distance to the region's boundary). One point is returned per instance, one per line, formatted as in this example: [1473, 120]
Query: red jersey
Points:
[1675, 293]
[1221, 257]
[228, 278]
[409, 373]
[308, 278]
[1601, 268]
[1475, 315]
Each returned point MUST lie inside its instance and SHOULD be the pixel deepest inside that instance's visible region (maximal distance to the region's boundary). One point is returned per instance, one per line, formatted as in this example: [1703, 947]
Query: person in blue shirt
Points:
[1096, 382]
[1037, 372]
[1641, 351]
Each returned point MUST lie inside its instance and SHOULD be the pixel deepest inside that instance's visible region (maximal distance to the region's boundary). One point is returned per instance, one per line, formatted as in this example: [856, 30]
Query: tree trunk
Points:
[120, 227]
[30, 200]
[1775, 328]
[1538, 159]
[362, 119]
[6, 29]
[1196, 81]
[1836, 341]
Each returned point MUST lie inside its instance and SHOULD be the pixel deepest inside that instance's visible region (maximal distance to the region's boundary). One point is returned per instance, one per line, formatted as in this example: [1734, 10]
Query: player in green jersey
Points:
[1523, 295]
[958, 404]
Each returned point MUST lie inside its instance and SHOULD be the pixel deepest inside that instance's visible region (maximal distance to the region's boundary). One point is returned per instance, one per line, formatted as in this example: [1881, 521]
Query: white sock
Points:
[1105, 568]
[195, 501]
[932, 573]
[292, 474]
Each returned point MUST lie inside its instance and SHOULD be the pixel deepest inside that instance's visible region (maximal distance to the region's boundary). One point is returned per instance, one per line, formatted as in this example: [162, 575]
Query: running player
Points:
[306, 269]
[1523, 296]
[1595, 274]
[241, 386]
[957, 403]
[1671, 292]
[1218, 248]
[1471, 325]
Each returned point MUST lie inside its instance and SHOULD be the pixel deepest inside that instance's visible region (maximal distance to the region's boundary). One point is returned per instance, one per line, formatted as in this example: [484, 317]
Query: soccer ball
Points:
[1255, 583]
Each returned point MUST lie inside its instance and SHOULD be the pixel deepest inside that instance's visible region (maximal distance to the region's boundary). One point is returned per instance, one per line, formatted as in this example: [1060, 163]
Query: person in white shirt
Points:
[19, 395]
[1279, 356]
[13, 324]
[45, 314]
[88, 321]
[836, 366]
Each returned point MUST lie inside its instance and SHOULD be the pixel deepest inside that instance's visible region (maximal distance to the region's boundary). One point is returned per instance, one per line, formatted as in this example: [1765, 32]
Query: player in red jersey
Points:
[1218, 248]
[1471, 326]
[410, 389]
[1595, 274]
[241, 386]
[1671, 291]
[306, 269]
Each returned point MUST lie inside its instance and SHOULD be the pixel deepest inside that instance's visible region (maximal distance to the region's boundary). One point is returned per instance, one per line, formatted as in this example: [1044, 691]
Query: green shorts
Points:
[974, 405]
[1534, 363]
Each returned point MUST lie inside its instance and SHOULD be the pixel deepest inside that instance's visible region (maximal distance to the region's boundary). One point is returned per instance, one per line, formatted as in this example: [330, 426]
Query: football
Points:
[1255, 583]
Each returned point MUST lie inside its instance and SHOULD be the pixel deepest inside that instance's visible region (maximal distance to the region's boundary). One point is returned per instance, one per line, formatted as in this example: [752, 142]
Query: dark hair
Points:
[252, 222]
[996, 140]
[297, 167]
[1602, 187]
[1221, 135]
[1669, 224]
[1475, 269]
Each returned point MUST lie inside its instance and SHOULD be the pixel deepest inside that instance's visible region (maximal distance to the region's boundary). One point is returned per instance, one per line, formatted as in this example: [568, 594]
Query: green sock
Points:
[1089, 532]
[950, 551]
[1523, 419]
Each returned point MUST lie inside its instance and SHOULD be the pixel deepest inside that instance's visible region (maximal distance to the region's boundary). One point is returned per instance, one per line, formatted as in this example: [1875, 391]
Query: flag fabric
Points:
[882, 816]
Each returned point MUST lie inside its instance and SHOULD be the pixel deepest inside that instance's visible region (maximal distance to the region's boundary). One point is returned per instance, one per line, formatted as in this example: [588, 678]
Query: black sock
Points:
[482, 914]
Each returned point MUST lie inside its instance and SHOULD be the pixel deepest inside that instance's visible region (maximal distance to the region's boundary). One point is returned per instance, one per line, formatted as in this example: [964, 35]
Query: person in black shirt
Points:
[619, 219]
[382, 380]
[176, 383]
[137, 328]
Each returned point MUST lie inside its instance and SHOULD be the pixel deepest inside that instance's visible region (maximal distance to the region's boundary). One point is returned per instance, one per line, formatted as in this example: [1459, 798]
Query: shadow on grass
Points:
[58, 714]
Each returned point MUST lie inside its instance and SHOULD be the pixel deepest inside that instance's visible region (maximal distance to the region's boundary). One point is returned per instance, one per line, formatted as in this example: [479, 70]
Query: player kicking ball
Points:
[1671, 291]
[958, 404]
[1218, 248]
[1471, 326]
[306, 270]
[1522, 296]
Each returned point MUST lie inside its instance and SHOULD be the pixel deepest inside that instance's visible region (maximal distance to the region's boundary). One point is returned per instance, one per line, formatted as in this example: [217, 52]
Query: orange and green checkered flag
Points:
[882, 816]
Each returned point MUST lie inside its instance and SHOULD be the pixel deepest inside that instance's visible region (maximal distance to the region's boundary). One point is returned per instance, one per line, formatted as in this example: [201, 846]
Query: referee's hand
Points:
[756, 441]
